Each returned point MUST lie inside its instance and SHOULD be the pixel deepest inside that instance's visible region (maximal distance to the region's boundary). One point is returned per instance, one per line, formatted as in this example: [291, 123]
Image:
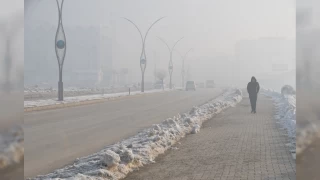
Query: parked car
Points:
[210, 84]
[191, 85]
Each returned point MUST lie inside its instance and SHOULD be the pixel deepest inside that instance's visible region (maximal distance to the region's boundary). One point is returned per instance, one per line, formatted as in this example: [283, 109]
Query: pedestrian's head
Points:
[253, 79]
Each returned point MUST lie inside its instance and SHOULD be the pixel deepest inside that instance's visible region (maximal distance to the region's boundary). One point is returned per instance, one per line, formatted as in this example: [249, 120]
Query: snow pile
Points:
[285, 113]
[36, 93]
[37, 89]
[11, 148]
[47, 102]
[116, 161]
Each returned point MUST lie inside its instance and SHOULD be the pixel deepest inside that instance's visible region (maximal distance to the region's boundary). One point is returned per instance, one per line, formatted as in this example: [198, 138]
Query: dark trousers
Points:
[253, 102]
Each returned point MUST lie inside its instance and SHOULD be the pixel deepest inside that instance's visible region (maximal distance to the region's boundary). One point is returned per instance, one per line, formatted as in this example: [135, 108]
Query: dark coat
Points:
[253, 87]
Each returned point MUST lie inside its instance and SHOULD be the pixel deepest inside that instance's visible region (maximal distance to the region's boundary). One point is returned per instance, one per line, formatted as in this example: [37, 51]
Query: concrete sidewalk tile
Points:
[232, 146]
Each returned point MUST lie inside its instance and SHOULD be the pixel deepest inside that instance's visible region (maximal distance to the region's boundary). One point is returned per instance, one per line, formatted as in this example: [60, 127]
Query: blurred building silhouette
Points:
[88, 51]
[264, 58]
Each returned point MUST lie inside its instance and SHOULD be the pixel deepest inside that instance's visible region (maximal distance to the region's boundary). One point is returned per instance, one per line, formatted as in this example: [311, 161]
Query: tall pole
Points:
[60, 47]
[143, 57]
[183, 59]
[170, 61]
[188, 73]
[155, 67]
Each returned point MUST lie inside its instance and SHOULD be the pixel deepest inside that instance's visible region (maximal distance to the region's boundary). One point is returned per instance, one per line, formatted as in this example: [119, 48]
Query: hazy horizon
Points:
[211, 28]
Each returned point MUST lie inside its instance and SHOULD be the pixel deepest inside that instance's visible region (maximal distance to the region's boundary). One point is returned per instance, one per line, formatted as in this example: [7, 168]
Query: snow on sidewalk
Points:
[47, 102]
[233, 145]
[116, 161]
[286, 114]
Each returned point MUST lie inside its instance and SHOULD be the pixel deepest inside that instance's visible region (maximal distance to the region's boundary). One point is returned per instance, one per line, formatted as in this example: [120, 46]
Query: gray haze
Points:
[232, 39]
[308, 84]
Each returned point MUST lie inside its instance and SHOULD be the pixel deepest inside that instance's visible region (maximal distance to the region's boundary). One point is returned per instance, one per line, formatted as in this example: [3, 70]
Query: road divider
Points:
[50, 104]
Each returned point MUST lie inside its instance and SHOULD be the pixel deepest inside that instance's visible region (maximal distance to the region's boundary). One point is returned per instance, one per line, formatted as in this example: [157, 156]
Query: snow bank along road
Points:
[117, 160]
[47, 104]
[56, 138]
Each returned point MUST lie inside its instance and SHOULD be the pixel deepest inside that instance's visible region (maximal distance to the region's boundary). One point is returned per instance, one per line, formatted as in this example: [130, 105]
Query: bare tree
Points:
[161, 75]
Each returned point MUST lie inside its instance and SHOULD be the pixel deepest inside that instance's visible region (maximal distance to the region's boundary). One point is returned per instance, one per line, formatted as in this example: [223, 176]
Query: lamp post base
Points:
[142, 84]
[60, 91]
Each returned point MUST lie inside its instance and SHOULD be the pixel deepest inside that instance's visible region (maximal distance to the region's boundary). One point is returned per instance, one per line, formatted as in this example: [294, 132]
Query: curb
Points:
[82, 103]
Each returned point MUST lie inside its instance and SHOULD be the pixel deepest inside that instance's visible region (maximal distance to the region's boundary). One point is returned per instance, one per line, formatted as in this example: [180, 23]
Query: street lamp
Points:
[143, 57]
[61, 47]
[170, 61]
[183, 59]
[155, 67]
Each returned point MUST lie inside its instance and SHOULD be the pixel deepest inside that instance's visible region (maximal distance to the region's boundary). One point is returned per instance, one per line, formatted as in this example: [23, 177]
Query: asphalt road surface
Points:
[55, 138]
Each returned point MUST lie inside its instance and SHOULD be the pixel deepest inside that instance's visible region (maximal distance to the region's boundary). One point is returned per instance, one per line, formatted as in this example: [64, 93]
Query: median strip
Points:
[48, 104]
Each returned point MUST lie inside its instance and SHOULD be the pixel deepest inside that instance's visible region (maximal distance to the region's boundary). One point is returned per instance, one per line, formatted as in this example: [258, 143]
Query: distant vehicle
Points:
[159, 85]
[191, 85]
[210, 84]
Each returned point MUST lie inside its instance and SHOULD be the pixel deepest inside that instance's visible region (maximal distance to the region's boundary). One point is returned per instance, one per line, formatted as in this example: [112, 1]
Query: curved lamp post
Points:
[170, 61]
[183, 59]
[61, 47]
[143, 57]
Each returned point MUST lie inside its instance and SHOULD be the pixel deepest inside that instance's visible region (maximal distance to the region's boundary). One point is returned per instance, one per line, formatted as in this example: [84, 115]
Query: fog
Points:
[11, 65]
[308, 87]
[232, 40]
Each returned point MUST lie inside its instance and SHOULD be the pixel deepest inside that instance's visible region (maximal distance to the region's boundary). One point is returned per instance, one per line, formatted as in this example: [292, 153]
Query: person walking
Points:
[253, 90]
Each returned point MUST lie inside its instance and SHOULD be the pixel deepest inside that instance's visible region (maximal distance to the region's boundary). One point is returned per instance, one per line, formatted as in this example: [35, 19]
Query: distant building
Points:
[88, 51]
[263, 56]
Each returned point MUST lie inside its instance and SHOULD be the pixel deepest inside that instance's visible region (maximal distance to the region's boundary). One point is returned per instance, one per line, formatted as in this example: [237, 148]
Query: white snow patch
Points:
[195, 129]
[285, 114]
[117, 160]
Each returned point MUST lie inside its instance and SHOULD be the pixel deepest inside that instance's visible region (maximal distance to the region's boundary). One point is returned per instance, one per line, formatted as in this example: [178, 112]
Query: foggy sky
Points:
[212, 28]
[11, 27]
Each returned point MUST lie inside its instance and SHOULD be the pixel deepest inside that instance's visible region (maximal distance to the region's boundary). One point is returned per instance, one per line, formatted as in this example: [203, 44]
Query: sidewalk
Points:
[234, 145]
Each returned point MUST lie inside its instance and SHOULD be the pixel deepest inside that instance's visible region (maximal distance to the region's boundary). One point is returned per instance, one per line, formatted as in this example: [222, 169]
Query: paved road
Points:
[55, 138]
[235, 145]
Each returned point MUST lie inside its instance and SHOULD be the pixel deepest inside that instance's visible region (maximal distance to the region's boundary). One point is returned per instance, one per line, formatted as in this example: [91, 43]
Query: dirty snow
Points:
[285, 114]
[11, 148]
[47, 102]
[117, 160]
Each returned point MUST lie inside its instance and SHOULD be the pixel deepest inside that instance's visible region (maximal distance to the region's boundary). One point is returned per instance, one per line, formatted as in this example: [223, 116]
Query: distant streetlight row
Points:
[60, 48]
[143, 56]
[183, 70]
[170, 68]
